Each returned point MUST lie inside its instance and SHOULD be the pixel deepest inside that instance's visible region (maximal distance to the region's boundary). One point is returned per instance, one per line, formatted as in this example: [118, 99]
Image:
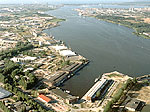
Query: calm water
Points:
[108, 46]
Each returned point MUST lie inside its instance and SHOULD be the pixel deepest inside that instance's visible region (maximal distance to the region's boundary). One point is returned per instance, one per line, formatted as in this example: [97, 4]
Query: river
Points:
[108, 46]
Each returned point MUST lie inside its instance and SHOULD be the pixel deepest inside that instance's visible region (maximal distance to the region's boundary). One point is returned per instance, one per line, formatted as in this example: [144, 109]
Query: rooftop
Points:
[63, 94]
[67, 53]
[4, 93]
[60, 93]
[59, 47]
[135, 104]
[45, 98]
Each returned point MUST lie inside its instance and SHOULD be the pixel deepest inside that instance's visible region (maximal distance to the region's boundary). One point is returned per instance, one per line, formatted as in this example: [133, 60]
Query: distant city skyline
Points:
[64, 1]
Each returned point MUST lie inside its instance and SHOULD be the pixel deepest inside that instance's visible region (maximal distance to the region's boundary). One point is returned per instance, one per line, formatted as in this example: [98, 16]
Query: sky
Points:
[64, 1]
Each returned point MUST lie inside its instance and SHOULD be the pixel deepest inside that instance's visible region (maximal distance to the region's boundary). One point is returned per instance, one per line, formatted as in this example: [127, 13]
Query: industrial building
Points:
[73, 68]
[101, 86]
[134, 105]
[63, 51]
[59, 48]
[23, 59]
[44, 98]
[67, 53]
[63, 75]
[65, 96]
[4, 93]
[57, 79]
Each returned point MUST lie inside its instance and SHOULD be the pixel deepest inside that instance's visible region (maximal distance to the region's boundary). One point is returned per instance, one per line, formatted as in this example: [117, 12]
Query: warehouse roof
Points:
[67, 53]
[4, 93]
[135, 104]
[60, 93]
[45, 98]
[57, 48]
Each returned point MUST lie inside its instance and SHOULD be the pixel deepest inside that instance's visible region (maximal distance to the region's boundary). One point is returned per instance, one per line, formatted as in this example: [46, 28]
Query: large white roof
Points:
[30, 58]
[67, 53]
[15, 59]
[57, 48]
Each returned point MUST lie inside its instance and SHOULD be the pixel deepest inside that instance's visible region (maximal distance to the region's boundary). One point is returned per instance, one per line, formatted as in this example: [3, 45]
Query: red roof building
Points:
[44, 98]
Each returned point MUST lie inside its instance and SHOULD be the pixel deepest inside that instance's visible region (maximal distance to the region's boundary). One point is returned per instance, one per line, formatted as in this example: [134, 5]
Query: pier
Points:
[65, 74]
[98, 90]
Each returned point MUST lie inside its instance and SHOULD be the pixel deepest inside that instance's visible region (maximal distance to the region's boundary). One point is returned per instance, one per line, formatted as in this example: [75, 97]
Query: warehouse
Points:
[4, 93]
[60, 77]
[69, 68]
[59, 48]
[23, 59]
[98, 86]
[135, 105]
[44, 98]
[57, 79]
[65, 96]
[67, 53]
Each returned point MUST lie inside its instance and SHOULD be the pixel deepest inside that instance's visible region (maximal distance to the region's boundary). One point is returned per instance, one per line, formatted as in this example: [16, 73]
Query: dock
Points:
[100, 86]
[65, 74]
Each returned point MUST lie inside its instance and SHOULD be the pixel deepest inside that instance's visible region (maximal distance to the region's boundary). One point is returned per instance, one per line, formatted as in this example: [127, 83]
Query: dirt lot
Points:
[116, 76]
[144, 94]
[141, 92]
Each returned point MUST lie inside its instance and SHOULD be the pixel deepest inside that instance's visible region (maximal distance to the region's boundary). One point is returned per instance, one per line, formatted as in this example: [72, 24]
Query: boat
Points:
[97, 79]
[80, 14]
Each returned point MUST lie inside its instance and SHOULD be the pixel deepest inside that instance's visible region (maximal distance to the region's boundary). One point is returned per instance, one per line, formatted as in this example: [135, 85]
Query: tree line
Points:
[15, 51]
[140, 26]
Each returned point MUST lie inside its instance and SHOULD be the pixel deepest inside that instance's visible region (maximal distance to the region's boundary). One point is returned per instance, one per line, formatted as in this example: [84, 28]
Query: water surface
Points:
[108, 46]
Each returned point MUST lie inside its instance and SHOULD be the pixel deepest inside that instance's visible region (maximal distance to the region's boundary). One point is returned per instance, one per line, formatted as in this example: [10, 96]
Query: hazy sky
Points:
[64, 1]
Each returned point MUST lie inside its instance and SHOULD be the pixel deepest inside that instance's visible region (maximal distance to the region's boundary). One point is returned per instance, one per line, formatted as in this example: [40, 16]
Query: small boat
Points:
[80, 14]
[97, 79]
[67, 91]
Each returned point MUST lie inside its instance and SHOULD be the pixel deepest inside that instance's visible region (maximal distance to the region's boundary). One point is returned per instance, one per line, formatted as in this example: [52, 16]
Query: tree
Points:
[2, 78]
[98, 94]
[134, 80]
[108, 106]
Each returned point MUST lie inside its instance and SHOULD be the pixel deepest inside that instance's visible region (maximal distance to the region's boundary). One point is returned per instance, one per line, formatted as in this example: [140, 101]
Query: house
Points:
[44, 98]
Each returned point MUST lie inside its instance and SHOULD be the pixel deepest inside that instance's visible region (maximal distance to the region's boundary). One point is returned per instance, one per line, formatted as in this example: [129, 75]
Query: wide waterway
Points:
[108, 46]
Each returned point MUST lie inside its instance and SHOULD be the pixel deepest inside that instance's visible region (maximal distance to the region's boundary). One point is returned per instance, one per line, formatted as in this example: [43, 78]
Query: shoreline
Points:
[138, 23]
[77, 69]
[135, 31]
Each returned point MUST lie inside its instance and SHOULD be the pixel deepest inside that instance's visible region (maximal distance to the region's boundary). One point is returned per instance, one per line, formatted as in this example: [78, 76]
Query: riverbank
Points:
[117, 91]
[136, 32]
[135, 18]
[109, 47]
[39, 57]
